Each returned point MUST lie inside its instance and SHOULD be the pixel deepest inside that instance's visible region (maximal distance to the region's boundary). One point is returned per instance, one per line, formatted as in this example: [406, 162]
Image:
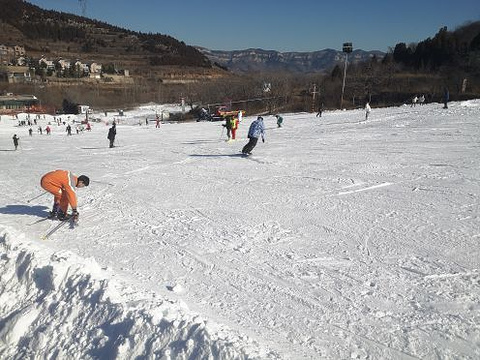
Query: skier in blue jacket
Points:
[257, 129]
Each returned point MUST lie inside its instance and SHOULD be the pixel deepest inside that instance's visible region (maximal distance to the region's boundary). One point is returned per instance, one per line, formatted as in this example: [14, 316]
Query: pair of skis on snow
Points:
[57, 227]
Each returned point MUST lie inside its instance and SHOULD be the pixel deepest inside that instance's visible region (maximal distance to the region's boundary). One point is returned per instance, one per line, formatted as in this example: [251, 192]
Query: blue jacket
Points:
[256, 129]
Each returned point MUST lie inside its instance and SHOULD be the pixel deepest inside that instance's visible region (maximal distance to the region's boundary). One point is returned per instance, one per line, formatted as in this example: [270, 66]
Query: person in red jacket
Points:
[61, 184]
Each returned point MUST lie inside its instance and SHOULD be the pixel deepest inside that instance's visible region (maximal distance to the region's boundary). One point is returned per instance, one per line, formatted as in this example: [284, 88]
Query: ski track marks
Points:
[341, 240]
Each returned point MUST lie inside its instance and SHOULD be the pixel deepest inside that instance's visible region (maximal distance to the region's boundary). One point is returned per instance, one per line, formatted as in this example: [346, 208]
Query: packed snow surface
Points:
[337, 239]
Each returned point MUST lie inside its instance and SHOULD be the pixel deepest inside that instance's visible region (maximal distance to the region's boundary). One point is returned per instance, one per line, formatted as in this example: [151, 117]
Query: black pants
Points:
[250, 145]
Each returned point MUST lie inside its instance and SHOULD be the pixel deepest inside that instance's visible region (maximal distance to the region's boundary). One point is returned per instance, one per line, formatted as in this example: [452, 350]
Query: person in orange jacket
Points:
[61, 184]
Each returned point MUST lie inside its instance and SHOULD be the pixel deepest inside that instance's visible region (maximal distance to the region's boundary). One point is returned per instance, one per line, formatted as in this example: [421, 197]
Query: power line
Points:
[83, 6]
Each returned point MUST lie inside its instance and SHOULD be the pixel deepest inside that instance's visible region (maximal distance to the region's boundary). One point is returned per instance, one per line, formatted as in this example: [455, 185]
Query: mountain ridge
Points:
[261, 60]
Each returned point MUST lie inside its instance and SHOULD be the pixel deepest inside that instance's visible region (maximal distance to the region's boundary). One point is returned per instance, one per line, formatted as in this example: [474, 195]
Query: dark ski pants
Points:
[250, 145]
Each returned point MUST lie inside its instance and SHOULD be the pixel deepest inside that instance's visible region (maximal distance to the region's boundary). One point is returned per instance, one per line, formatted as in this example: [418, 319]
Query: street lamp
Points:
[347, 49]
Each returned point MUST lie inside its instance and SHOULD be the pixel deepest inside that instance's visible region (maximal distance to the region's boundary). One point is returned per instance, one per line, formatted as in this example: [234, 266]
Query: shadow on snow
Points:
[36, 210]
[218, 155]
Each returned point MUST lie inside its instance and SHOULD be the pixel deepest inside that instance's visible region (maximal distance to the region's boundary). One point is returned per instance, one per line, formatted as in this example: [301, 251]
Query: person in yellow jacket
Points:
[233, 126]
[61, 184]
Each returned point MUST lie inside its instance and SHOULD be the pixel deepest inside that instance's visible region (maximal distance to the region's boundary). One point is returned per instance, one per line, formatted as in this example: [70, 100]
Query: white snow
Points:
[337, 239]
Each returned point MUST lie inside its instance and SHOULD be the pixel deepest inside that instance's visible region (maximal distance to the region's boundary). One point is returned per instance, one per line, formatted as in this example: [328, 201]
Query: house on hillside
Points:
[63, 64]
[9, 53]
[17, 74]
[19, 51]
[95, 70]
[5, 54]
[81, 69]
[47, 64]
[3, 51]
[22, 61]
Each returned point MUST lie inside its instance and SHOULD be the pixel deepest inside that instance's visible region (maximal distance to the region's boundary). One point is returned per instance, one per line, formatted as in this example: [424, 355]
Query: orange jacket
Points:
[61, 183]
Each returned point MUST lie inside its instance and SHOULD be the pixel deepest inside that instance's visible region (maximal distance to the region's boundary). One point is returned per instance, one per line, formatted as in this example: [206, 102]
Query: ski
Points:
[39, 221]
[57, 227]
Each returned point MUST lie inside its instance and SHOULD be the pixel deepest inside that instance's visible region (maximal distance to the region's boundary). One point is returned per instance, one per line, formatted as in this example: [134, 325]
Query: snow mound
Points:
[57, 305]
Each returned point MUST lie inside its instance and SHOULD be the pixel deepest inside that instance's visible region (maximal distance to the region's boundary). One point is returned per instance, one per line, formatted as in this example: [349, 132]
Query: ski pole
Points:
[36, 197]
[102, 182]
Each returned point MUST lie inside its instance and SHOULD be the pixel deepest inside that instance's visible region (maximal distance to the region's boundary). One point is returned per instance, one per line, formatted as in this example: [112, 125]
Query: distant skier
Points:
[112, 132]
[421, 100]
[446, 97]
[48, 130]
[320, 111]
[61, 184]
[15, 141]
[279, 120]
[368, 109]
[414, 101]
[228, 126]
[234, 126]
[30, 132]
[257, 129]
[69, 130]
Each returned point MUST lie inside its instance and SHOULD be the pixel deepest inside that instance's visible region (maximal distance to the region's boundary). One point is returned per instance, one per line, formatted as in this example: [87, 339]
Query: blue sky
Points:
[301, 25]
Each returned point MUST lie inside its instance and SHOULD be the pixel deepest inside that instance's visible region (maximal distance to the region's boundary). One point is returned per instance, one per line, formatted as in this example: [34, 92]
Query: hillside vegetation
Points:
[45, 31]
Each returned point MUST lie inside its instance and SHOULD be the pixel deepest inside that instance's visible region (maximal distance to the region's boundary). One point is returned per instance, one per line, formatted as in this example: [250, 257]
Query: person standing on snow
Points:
[414, 101]
[234, 126]
[279, 120]
[320, 110]
[257, 129]
[446, 97]
[112, 132]
[368, 109]
[61, 184]
[421, 99]
[228, 126]
[15, 141]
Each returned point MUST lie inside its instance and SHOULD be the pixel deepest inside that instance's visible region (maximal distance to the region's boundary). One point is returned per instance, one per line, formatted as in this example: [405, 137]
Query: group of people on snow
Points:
[231, 124]
[62, 184]
[418, 100]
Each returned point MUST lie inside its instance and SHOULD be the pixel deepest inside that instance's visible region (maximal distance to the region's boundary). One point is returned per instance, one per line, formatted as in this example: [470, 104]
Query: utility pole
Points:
[347, 49]
[314, 94]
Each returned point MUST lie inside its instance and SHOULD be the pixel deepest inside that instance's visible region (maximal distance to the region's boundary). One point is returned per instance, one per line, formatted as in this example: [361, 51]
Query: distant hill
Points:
[259, 60]
[61, 34]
